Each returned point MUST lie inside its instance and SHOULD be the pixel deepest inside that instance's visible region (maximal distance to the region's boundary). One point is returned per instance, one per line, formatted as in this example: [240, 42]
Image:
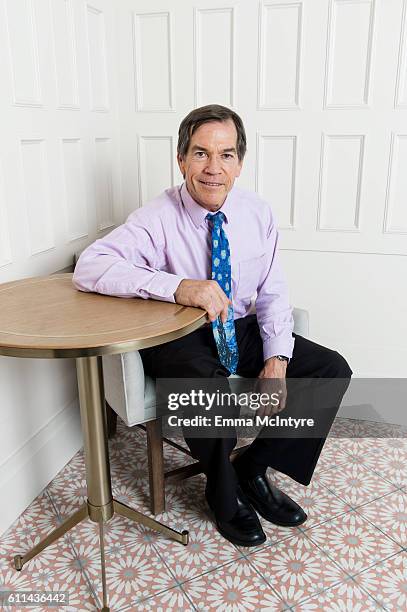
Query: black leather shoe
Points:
[271, 503]
[244, 529]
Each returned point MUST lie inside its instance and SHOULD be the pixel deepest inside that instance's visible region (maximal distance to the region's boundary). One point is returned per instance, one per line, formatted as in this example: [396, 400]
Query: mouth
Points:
[211, 184]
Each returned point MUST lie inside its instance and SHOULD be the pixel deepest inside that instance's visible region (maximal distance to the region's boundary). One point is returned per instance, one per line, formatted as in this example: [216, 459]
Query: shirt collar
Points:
[197, 212]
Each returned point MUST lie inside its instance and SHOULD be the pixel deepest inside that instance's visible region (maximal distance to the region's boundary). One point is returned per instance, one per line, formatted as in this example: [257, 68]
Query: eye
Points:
[228, 156]
[200, 154]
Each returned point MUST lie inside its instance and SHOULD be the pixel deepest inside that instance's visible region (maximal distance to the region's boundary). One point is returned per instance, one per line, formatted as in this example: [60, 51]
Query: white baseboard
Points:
[25, 473]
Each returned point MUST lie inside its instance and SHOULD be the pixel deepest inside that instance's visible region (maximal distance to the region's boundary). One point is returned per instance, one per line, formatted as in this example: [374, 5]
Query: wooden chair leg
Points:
[155, 454]
[111, 418]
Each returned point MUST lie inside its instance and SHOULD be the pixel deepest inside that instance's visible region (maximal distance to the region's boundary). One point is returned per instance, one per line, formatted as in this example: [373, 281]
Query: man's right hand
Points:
[205, 294]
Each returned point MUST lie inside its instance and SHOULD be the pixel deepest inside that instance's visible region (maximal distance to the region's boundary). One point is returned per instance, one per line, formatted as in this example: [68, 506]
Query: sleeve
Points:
[127, 263]
[274, 313]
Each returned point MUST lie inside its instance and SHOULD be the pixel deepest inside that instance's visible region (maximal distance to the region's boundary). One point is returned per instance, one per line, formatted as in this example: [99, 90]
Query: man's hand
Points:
[205, 294]
[273, 369]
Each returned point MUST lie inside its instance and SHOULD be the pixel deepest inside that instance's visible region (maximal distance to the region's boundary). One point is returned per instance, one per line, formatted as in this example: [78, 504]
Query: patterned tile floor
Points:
[350, 555]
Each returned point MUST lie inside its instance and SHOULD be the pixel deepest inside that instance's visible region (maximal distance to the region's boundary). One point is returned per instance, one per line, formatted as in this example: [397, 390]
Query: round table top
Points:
[47, 317]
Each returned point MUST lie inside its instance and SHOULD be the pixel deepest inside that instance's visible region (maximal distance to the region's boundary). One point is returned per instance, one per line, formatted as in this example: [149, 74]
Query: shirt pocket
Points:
[248, 274]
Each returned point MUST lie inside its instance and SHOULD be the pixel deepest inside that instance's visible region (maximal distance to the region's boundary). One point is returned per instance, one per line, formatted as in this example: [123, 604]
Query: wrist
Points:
[278, 358]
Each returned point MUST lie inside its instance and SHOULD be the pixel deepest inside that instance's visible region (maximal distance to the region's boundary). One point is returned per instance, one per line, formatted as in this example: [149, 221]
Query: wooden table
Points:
[46, 317]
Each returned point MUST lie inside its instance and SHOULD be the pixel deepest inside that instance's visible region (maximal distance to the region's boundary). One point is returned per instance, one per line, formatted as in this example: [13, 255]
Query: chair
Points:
[130, 394]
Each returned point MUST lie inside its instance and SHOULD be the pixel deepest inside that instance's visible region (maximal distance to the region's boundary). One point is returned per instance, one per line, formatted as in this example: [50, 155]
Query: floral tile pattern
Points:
[358, 446]
[387, 582]
[80, 596]
[174, 599]
[357, 525]
[32, 526]
[360, 428]
[174, 458]
[333, 454]
[296, 568]
[206, 551]
[57, 562]
[398, 443]
[390, 463]
[130, 575]
[129, 473]
[344, 597]
[352, 542]
[355, 484]
[389, 513]
[69, 492]
[231, 588]
[274, 534]
[318, 502]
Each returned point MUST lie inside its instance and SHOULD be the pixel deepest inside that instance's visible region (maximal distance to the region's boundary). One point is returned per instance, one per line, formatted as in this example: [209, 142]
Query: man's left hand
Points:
[273, 369]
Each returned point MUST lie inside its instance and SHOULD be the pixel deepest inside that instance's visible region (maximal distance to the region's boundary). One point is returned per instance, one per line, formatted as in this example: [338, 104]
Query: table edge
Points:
[112, 349]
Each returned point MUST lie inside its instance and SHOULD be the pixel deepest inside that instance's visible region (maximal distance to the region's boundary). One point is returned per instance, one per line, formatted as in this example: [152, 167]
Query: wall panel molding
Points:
[276, 170]
[400, 98]
[340, 184]
[395, 213]
[347, 83]
[74, 188]
[97, 56]
[155, 165]
[35, 174]
[5, 246]
[104, 184]
[153, 55]
[23, 49]
[279, 63]
[65, 54]
[214, 65]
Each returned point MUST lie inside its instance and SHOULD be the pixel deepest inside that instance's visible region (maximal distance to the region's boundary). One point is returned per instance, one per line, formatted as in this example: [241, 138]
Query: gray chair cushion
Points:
[132, 394]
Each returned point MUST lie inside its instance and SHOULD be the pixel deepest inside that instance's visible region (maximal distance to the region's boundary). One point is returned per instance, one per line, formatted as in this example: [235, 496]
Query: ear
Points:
[181, 164]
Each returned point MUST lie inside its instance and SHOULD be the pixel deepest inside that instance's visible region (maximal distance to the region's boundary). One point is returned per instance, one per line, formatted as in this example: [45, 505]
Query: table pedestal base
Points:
[100, 515]
[100, 506]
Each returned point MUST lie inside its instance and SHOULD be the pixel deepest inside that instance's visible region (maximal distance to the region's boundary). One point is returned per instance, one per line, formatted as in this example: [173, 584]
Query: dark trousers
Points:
[196, 356]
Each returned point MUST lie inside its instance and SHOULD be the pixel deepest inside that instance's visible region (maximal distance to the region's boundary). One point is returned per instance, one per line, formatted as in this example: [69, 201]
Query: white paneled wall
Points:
[59, 151]
[155, 165]
[153, 57]
[341, 177]
[59, 190]
[350, 36]
[321, 86]
[214, 79]
[395, 215]
[92, 96]
[275, 175]
[280, 55]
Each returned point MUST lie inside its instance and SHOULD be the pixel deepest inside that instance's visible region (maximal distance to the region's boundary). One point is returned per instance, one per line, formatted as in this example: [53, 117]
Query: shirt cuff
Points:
[163, 285]
[278, 346]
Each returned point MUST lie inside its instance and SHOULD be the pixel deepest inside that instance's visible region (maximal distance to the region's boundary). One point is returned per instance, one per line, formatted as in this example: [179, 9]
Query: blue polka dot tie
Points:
[224, 333]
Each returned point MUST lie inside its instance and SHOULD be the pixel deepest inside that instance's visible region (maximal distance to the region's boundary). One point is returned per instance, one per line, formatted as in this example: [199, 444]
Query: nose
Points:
[213, 165]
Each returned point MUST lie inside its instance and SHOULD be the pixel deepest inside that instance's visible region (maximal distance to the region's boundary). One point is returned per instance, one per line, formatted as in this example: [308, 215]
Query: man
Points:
[211, 245]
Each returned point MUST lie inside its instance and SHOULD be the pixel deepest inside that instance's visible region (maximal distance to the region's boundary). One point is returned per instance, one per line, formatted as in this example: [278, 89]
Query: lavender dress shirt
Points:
[169, 239]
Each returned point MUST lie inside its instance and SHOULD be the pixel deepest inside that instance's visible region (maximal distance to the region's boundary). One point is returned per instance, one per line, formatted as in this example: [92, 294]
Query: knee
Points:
[337, 366]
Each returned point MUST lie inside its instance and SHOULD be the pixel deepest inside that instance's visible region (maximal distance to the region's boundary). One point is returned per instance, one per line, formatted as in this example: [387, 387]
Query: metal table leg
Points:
[100, 506]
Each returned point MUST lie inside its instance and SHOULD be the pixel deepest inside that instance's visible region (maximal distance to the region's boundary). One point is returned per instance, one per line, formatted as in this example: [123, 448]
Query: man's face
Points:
[211, 163]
